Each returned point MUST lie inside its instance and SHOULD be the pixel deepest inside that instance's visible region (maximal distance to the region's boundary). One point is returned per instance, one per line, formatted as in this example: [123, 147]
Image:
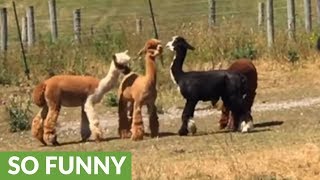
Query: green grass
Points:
[113, 23]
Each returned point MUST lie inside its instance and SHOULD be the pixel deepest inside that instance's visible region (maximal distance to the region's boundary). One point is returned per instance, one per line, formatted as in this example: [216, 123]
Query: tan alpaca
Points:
[74, 91]
[138, 90]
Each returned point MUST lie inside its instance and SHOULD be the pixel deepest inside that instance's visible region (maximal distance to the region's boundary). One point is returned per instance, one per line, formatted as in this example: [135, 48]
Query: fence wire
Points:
[169, 16]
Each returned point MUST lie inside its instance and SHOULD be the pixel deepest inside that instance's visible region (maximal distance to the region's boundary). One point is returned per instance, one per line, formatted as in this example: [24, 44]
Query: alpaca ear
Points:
[189, 46]
[141, 51]
[126, 51]
[153, 52]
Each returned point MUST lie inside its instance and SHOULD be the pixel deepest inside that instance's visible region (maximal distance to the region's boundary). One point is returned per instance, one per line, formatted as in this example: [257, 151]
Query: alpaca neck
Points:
[107, 82]
[151, 71]
[177, 63]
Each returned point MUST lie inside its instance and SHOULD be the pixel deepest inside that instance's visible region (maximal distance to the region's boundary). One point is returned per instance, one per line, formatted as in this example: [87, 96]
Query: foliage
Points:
[19, 112]
[5, 77]
[245, 51]
[108, 42]
[313, 38]
[111, 99]
[293, 56]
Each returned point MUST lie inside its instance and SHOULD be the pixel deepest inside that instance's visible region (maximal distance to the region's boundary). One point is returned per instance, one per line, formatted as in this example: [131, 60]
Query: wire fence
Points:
[170, 16]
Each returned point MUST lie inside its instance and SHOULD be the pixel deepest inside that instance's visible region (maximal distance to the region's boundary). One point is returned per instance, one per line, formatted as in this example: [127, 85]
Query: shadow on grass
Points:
[230, 131]
[263, 125]
[82, 142]
[163, 134]
[268, 124]
[168, 134]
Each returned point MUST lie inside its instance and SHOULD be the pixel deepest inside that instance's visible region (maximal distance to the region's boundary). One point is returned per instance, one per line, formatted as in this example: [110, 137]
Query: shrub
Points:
[245, 51]
[314, 40]
[293, 56]
[111, 99]
[19, 112]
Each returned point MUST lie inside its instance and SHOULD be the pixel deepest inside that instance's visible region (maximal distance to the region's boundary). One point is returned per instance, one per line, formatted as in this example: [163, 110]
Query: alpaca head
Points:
[178, 42]
[154, 52]
[151, 44]
[122, 57]
[121, 61]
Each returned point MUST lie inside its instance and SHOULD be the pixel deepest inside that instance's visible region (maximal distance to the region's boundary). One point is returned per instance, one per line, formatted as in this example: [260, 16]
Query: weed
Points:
[111, 99]
[313, 39]
[5, 77]
[293, 56]
[19, 112]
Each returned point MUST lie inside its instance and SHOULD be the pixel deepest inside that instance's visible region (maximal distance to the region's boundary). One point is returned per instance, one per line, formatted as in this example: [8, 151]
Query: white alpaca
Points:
[74, 91]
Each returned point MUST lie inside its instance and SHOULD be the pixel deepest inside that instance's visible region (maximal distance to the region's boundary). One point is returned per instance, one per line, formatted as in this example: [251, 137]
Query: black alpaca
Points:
[205, 85]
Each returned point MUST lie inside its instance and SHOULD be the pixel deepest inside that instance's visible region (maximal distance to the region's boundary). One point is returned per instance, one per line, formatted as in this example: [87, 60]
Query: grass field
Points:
[285, 143]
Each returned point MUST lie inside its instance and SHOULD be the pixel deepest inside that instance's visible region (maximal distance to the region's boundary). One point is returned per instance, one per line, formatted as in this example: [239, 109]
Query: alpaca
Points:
[138, 90]
[205, 86]
[74, 91]
[247, 68]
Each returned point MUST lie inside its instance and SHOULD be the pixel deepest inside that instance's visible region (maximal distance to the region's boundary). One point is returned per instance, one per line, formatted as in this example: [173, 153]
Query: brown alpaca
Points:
[247, 68]
[73, 91]
[138, 90]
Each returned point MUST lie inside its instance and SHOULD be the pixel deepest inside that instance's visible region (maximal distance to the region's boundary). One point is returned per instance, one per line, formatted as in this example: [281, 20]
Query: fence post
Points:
[92, 30]
[261, 14]
[3, 29]
[53, 20]
[138, 25]
[77, 25]
[318, 11]
[307, 14]
[24, 30]
[31, 26]
[291, 19]
[212, 13]
[270, 23]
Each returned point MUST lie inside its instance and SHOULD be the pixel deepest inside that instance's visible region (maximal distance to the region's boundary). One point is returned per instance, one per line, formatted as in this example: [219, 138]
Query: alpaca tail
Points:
[38, 94]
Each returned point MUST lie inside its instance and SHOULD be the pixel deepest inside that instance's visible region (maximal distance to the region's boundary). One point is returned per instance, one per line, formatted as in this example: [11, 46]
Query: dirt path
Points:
[108, 120]
[262, 107]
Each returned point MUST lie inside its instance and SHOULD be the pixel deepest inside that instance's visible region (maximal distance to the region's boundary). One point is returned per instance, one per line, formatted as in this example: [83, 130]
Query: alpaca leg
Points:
[153, 120]
[186, 115]
[124, 126]
[137, 128]
[85, 129]
[130, 108]
[246, 123]
[249, 103]
[235, 121]
[245, 119]
[37, 124]
[94, 122]
[50, 136]
[224, 120]
[230, 123]
[250, 99]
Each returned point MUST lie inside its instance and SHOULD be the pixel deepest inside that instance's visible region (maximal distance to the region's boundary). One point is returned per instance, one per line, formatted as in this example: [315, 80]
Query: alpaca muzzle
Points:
[123, 68]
